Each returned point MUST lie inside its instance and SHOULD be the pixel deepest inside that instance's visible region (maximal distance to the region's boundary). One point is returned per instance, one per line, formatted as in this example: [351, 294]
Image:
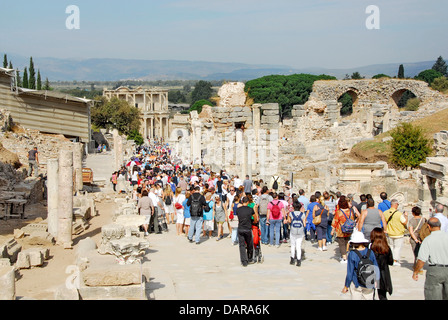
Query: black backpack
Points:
[196, 208]
[168, 200]
[365, 271]
[207, 207]
[275, 184]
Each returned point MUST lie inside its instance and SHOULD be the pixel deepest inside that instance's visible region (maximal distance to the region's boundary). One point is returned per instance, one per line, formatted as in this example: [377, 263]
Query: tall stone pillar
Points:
[65, 199]
[77, 166]
[52, 196]
[386, 122]
[196, 137]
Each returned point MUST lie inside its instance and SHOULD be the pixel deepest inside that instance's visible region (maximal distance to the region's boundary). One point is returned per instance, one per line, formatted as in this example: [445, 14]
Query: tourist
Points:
[310, 227]
[415, 225]
[303, 199]
[340, 217]
[357, 290]
[158, 211]
[237, 182]
[113, 179]
[167, 197]
[209, 216]
[247, 184]
[187, 216]
[179, 209]
[385, 204]
[33, 162]
[321, 229]
[228, 203]
[370, 219]
[284, 234]
[245, 215]
[434, 251]
[331, 205]
[363, 204]
[443, 220]
[220, 216]
[262, 207]
[234, 219]
[297, 232]
[275, 216]
[145, 208]
[395, 228]
[196, 202]
[183, 184]
[384, 258]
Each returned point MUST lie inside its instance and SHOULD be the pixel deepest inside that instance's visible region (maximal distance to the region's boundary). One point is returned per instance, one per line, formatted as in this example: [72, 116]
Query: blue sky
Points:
[297, 33]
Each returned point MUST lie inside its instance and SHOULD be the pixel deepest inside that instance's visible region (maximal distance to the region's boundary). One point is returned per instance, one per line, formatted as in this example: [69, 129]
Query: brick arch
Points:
[396, 95]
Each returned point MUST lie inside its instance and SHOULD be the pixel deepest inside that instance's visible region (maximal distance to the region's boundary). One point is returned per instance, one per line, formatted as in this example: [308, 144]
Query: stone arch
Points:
[398, 94]
[354, 94]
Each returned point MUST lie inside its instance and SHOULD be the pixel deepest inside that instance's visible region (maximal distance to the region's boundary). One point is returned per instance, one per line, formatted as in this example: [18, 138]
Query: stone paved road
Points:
[212, 271]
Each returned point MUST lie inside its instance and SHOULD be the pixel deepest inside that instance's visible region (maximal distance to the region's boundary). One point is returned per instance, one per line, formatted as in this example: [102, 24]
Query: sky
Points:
[295, 33]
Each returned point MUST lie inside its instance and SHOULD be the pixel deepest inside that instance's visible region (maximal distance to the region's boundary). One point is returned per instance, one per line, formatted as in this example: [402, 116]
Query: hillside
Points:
[378, 148]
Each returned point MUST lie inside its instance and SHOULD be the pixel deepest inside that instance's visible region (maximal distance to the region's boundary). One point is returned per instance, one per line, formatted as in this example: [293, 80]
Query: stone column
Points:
[7, 283]
[77, 166]
[119, 152]
[386, 122]
[52, 196]
[65, 199]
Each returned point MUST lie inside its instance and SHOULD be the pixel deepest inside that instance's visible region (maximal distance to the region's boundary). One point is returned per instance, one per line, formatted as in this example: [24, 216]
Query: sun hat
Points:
[358, 237]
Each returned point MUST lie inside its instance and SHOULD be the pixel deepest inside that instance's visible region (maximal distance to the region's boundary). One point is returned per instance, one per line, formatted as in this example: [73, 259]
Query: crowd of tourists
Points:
[204, 204]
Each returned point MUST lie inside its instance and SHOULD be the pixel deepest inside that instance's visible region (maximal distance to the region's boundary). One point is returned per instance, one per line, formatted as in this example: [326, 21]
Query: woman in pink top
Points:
[276, 213]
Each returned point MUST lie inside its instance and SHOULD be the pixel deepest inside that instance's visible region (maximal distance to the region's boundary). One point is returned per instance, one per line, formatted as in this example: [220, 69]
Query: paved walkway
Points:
[212, 271]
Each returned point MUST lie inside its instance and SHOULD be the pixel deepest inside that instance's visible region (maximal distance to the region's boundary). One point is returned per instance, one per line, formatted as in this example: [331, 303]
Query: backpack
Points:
[276, 214]
[168, 200]
[424, 231]
[207, 207]
[296, 223]
[349, 223]
[195, 209]
[365, 272]
[275, 184]
[263, 206]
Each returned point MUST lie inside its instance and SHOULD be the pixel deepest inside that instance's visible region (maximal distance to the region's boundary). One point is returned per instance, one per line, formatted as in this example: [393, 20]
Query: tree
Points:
[38, 81]
[287, 91]
[440, 66]
[347, 104]
[25, 79]
[356, 76]
[10, 65]
[428, 75]
[199, 104]
[409, 147]
[47, 85]
[136, 136]
[116, 114]
[32, 76]
[440, 84]
[18, 79]
[5, 61]
[202, 91]
[380, 75]
[401, 72]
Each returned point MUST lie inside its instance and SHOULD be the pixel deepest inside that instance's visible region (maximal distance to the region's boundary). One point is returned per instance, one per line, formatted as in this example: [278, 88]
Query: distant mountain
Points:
[125, 69]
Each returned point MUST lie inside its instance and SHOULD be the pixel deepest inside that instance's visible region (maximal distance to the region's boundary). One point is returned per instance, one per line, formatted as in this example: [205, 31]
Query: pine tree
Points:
[441, 66]
[39, 81]
[32, 77]
[25, 79]
[401, 72]
[5, 61]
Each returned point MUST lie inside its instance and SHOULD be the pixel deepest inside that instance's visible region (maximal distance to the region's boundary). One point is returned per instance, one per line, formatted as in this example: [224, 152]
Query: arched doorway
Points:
[349, 99]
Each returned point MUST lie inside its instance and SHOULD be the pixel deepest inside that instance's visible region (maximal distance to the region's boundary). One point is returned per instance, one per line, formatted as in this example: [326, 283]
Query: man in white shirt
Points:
[237, 182]
[158, 207]
[443, 220]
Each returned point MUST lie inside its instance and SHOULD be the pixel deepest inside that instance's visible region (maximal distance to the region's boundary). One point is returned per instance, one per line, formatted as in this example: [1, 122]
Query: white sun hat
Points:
[358, 237]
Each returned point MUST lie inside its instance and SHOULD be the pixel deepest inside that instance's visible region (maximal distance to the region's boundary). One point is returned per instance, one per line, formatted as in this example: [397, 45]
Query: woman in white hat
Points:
[362, 275]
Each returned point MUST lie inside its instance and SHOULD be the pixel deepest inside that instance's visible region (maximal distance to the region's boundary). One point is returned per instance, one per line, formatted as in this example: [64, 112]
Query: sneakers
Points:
[319, 249]
[396, 263]
[324, 248]
[299, 262]
[343, 261]
[292, 261]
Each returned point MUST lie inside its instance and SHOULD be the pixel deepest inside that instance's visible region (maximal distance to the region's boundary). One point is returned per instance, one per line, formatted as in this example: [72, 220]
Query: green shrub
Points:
[136, 136]
[199, 104]
[440, 84]
[409, 147]
[413, 104]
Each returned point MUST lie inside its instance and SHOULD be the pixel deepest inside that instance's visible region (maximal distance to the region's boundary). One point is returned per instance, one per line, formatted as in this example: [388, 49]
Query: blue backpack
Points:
[349, 224]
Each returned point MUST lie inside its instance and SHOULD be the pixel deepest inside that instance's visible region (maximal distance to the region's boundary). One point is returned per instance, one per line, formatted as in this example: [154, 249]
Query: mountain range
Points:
[56, 69]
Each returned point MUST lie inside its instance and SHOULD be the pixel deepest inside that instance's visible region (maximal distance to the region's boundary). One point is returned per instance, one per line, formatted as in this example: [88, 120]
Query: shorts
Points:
[209, 225]
[187, 221]
[169, 208]
[147, 219]
[180, 218]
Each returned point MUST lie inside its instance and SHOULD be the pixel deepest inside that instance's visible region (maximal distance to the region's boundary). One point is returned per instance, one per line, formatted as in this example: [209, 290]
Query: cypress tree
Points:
[10, 65]
[39, 81]
[32, 77]
[25, 79]
[5, 61]
[18, 79]
[47, 85]
[401, 72]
